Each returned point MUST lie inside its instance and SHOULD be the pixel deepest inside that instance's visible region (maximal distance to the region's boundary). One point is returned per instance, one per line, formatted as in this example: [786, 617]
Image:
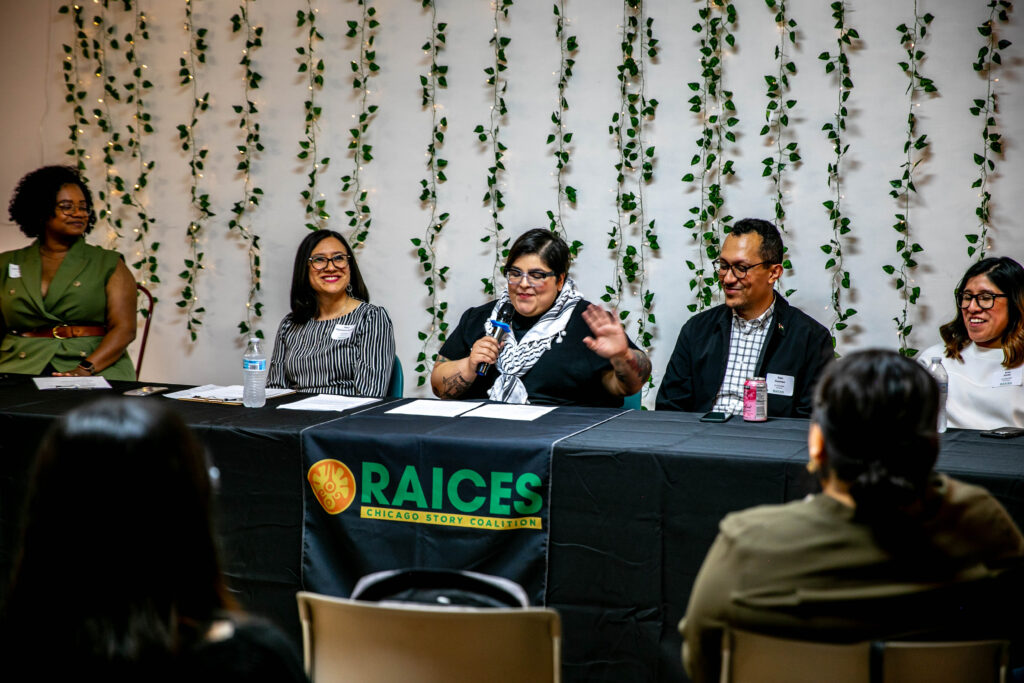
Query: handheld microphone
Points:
[501, 328]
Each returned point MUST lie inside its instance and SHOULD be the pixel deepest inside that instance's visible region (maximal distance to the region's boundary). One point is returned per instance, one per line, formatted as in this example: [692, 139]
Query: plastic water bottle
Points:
[942, 379]
[254, 367]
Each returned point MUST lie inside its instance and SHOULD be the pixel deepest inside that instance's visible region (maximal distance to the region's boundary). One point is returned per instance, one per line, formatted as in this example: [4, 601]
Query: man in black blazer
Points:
[755, 333]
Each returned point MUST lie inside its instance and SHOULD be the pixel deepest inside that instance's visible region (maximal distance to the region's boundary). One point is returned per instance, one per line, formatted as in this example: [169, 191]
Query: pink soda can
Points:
[755, 400]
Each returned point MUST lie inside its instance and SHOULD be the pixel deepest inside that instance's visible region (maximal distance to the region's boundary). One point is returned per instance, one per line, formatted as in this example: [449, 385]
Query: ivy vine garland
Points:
[315, 210]
[251, 194]
[777, 111]
[101, 50]
[713, 104]
[364, 31]
[133, 194]
[76, 93]
[188, 72]
[426, 248]
[903, 188]
[105, 42]
[561, 137]
[493, 198]
[635, 168]
[838, 63]
[989, 58]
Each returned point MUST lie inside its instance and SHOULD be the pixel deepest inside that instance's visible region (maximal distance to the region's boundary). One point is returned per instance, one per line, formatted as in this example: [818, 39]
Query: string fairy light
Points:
[434, 276]
[249, 151]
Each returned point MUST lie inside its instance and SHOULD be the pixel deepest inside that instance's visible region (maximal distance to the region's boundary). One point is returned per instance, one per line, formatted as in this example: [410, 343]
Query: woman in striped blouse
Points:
[334, 341]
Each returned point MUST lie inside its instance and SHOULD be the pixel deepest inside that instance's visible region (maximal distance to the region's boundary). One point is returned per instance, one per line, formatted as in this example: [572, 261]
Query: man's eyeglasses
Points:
[738, 271]
[534, 278]
[986, 300]
[340, 261]
[70, 208]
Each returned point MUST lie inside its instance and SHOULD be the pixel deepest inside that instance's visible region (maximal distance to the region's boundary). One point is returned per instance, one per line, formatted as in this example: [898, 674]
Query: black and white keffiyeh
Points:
[519, 355]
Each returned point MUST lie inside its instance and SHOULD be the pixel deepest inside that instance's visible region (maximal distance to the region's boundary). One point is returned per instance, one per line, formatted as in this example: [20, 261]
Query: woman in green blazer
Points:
[67, 308]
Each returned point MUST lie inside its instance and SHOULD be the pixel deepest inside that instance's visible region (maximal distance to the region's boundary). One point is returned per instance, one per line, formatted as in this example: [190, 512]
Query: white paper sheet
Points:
[435, 408]
[71, 383]
[328, 402]
[504, 411]
[218, 394]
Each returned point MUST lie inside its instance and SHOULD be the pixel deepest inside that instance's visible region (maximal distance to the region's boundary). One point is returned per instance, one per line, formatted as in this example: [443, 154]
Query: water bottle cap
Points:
[254, 339]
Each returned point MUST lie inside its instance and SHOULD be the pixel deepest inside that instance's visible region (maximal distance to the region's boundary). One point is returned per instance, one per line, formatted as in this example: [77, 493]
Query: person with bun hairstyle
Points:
[982, 347]
[889, 548]
[118, 577]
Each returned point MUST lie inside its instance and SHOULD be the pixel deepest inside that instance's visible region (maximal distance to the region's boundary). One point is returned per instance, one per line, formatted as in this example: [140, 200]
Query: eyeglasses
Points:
[340, 261]
[534, 278]
[70, 208]
[738, 271]
[986, 300]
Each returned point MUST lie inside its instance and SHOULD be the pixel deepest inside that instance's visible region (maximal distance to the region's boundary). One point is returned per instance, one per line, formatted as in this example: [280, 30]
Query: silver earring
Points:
[348, 290]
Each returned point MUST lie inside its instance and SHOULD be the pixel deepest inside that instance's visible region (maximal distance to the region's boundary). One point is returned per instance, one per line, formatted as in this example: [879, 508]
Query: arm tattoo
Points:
[638, 363]
[454, 386]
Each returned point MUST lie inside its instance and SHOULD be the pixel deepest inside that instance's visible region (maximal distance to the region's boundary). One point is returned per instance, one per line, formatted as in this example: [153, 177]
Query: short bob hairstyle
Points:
[304, 301]
[878, 414]
[118, 559]
[551, 249]
[1008, 276]
[35, 198]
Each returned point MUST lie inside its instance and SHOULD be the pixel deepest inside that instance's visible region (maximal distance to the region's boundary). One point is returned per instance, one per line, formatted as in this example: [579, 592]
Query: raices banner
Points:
[390, 491]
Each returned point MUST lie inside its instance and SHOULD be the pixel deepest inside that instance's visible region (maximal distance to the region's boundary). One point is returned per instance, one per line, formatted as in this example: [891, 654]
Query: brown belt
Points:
[64, 331]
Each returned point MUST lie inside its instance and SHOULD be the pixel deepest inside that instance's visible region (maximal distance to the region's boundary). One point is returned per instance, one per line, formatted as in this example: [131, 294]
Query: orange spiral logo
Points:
[333, 485]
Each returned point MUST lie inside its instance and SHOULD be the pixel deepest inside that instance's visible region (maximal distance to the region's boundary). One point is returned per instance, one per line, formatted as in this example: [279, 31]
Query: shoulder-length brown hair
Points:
[1007, 275]
[303, 299]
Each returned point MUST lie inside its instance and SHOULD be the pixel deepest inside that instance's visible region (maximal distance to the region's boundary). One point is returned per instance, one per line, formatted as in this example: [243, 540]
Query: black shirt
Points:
[566, 374]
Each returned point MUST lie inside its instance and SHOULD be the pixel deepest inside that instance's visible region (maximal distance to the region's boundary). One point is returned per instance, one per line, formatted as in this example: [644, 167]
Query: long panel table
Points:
[633, 506]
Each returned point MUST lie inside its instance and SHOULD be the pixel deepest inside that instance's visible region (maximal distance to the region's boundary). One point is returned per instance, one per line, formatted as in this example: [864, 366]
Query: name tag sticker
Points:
[1014, 377]
[13, 270]
[342, 332]
[780, 384]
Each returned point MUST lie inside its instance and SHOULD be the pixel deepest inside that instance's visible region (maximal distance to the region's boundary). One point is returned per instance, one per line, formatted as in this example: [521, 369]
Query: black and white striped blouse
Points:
[351, 355]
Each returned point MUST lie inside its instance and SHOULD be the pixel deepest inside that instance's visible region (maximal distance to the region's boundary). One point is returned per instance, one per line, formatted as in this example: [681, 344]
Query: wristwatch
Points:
[88, 367]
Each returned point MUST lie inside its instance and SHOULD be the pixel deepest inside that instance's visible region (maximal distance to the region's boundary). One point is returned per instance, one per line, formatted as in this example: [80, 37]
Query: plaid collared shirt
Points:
[745, 342]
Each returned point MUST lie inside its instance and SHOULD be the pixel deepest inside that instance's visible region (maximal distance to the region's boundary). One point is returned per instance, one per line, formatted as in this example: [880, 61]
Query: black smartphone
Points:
[1003, 432]
[714, 416]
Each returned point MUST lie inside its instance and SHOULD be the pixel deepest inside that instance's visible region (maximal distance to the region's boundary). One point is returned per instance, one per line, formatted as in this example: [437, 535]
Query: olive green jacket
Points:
[77, 296]
[809, 570]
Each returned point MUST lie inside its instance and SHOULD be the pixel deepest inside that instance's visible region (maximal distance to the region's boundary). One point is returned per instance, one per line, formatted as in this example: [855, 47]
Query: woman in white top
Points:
[334, 341]
[983, 349]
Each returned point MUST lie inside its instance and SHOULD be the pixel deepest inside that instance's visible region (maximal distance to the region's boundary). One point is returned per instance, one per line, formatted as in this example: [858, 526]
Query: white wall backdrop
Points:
[36, 122]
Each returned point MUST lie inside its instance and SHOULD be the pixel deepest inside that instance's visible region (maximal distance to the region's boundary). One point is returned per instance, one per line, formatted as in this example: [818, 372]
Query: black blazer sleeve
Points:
[676, 390]
[819, 354]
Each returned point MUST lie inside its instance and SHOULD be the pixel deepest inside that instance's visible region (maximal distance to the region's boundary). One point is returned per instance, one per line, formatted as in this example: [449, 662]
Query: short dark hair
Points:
[546, 244]
[303, 298]
[117, 539]
[771, 241]
[1008, 276]
[35, 198]
[878, 413]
